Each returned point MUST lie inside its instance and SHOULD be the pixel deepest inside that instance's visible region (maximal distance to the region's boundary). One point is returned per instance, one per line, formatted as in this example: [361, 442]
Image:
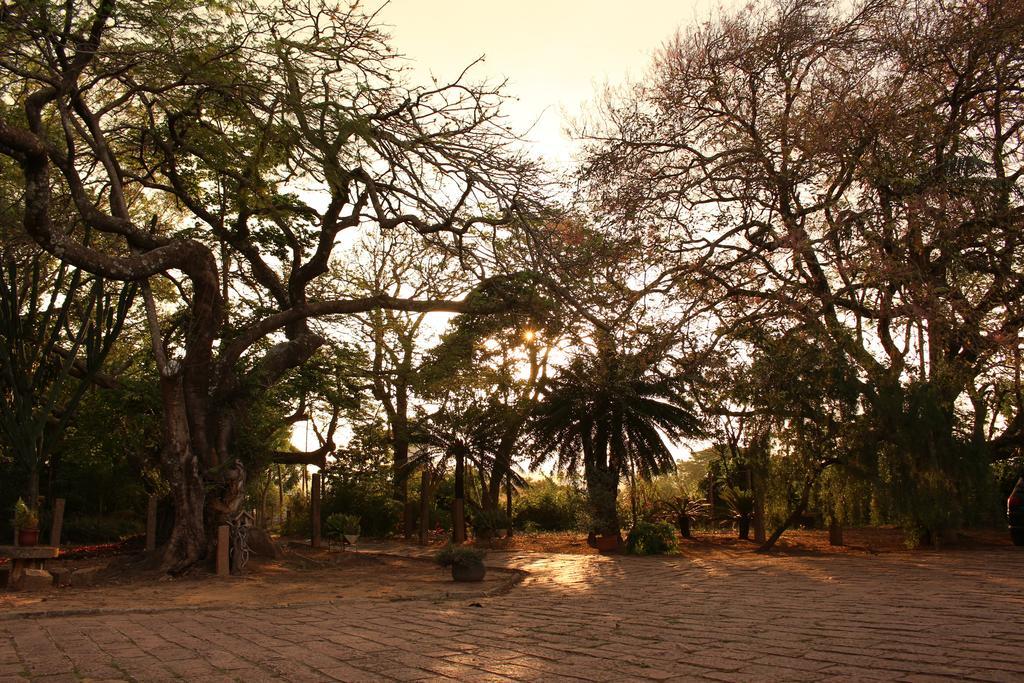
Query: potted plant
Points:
[467, 563]
[26, 521]
[341, 526]
[604, 542]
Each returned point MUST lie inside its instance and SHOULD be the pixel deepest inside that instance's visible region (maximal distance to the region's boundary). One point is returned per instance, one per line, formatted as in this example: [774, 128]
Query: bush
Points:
[545, 505]
[460, 555]
[297, 520]
[101, 528]
[368, 499]
[486, 522]
[651, 538]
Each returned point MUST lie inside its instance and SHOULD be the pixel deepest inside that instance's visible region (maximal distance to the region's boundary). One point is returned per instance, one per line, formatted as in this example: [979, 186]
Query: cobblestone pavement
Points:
[725, 616]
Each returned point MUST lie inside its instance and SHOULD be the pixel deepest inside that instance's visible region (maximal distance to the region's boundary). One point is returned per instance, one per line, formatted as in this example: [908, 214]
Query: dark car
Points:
[1015, 512]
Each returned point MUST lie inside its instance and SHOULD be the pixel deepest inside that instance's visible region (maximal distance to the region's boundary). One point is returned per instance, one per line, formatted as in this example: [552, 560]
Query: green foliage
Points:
[339, 524]
[739, 502]
[360, 484]
[108, 528]
[545, 505]
[297, 521]
[668, 496]
[611, 415]
[57, 327]
[486, 522]
[651, 538]
[110, 453]
[368, 499]
[460, 555]
[615, 395]
[24, 516]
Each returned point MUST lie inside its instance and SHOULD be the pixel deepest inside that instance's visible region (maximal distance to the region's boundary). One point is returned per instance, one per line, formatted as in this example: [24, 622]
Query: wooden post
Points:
[151, 523]
[835, 531]
[223, 541]
[314, 510]
[458, 521]
[58, 522]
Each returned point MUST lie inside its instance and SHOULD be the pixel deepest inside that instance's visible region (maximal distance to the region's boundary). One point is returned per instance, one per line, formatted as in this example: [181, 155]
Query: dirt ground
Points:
[302, 576]
[871, 540]
[305, 576]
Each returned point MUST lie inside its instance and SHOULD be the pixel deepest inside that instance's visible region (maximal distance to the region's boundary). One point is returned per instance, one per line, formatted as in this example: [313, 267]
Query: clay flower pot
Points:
[468, 571]
[28, 537]
[607, 543]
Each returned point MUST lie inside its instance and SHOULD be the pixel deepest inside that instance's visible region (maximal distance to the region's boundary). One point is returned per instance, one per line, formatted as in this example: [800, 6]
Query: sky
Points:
[555, 54]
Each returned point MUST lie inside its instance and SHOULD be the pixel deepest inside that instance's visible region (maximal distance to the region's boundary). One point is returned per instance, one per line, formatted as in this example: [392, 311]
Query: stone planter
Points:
[28, 537]
[468, 572]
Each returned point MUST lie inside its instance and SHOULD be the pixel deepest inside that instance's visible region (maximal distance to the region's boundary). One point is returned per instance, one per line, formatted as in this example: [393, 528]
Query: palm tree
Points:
[615, 414]
[462, 435]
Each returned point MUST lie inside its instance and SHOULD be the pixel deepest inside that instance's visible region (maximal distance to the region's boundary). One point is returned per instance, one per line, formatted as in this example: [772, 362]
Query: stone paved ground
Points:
[723, 616]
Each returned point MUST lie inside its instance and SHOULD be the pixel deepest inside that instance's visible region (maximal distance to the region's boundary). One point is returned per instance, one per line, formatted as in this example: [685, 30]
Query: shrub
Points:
[297, 520]
[681, 511]
[460, 555]
[486, 522]
[102, 528]
[367, 498]
[546, 505]
[651, 538]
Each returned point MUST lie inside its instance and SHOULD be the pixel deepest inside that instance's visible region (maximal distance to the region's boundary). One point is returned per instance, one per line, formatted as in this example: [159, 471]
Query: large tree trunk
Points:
[187, 544]
[602, 496]
[759, 526]
[603, 490]
[602, 481]
[398, 415]
[400, 482]
[502, 463]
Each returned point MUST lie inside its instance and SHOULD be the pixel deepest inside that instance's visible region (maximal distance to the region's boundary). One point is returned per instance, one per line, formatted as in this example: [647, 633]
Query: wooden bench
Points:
[24, 557]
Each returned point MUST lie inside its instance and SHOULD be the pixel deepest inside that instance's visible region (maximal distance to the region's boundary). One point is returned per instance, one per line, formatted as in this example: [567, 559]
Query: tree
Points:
[811, 401]
[57, 327]
[493, 367]
[853, 171]
[229, 145]
[610, 414]
[399, 266]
